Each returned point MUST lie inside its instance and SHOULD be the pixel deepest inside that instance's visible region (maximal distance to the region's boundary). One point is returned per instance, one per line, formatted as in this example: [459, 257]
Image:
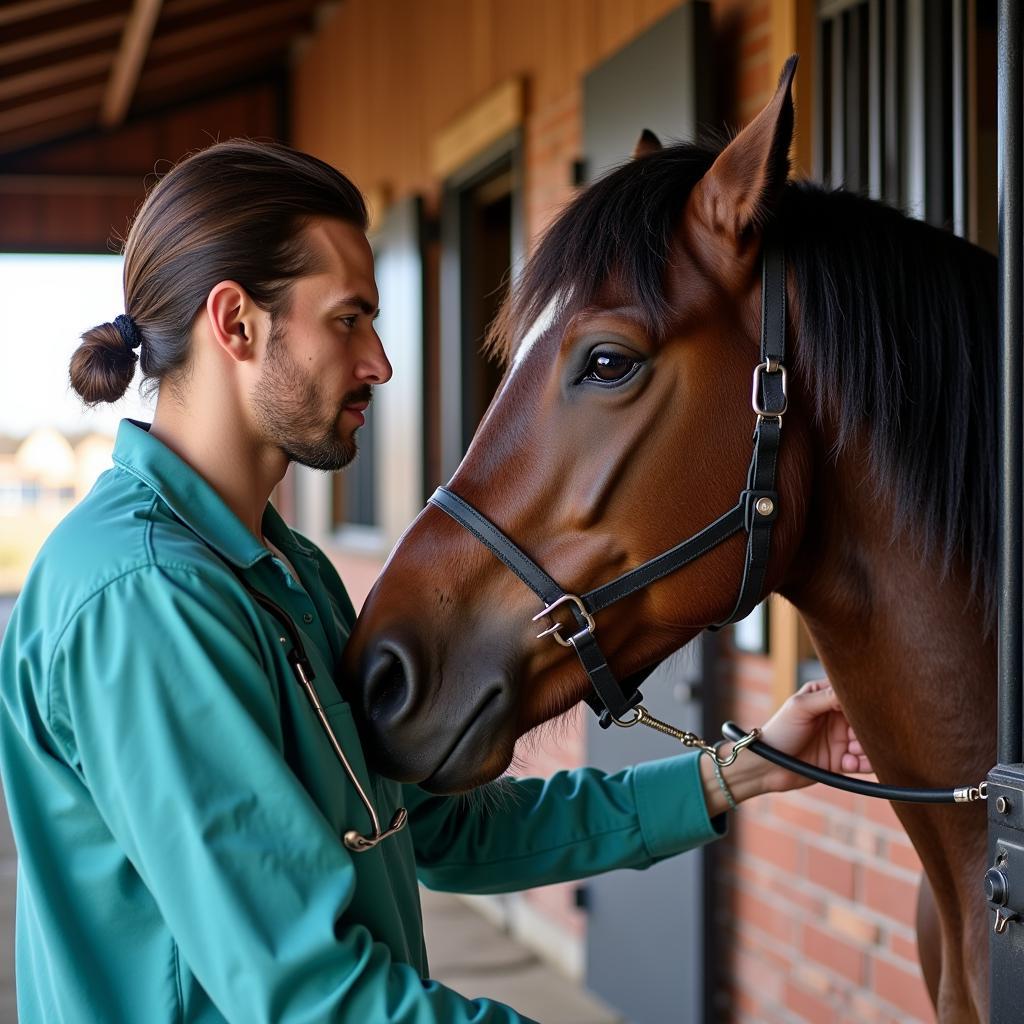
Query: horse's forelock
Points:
[621, 226]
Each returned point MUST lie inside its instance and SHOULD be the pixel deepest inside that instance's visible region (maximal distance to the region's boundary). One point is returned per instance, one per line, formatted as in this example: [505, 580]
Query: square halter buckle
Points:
[555, 630]
[769, 366]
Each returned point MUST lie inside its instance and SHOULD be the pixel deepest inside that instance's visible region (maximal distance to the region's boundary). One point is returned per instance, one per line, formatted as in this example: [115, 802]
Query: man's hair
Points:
[234, 211]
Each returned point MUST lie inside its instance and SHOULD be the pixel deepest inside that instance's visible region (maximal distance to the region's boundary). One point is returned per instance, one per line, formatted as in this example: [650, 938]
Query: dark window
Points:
[901, 112]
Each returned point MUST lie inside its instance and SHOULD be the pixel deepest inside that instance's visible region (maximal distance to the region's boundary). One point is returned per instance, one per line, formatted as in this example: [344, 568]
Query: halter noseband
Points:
[755, 513]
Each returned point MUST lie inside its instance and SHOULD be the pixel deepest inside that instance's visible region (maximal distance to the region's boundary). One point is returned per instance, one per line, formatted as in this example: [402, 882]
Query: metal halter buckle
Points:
[555, 630]
[768, 366]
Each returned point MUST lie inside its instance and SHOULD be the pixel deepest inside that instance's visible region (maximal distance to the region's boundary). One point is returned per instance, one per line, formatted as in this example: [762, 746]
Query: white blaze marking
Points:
[542, 323]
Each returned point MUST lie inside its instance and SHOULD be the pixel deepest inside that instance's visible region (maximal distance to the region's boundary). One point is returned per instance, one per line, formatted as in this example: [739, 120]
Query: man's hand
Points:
[810, 726]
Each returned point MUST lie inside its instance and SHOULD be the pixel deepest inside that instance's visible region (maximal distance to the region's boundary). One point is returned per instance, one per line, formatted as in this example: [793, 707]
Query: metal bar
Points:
[1009, 109]
[853, 106]
[915, 116]
[821, 78]
[875, 136]
[891, 190]
[959, 126]
[837, 161]
[834, 8]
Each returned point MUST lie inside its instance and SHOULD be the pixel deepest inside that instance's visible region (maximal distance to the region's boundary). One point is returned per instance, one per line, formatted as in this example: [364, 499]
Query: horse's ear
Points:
[647, 144]
[746, 180]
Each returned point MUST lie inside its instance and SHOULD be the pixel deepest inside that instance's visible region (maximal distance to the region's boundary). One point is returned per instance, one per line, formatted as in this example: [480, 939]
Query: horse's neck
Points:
[904, 649]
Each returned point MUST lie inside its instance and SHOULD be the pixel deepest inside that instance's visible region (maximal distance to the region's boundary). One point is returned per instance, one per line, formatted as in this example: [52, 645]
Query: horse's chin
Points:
[460, 775]
[444, 757]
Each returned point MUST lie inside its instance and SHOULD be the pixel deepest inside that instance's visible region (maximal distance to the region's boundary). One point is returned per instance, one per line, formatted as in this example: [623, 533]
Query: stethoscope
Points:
[304, 674]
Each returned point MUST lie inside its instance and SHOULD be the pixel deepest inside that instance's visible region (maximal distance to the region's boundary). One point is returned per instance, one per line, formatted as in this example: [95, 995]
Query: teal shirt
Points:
[177, 808]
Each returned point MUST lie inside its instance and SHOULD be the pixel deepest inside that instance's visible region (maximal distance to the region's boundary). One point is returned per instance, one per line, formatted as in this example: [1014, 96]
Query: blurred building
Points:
[468, 123]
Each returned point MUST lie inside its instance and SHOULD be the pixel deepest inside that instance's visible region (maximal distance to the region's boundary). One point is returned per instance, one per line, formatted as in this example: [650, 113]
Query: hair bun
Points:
[102, 367]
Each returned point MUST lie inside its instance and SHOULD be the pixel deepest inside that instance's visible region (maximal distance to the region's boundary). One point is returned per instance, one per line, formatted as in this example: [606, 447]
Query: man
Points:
[178, 809]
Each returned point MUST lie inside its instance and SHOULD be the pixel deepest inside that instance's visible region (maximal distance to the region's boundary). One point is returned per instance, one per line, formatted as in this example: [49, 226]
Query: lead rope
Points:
[752, 739]
[641, 716]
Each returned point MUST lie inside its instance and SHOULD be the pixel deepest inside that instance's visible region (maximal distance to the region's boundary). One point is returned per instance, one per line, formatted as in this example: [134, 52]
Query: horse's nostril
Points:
[387, 688]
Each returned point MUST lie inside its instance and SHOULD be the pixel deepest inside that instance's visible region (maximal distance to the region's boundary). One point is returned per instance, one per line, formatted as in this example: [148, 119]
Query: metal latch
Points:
[1004, 884]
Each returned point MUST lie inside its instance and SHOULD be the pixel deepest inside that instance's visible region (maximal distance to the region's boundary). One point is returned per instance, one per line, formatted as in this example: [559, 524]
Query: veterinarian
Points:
[193, 847]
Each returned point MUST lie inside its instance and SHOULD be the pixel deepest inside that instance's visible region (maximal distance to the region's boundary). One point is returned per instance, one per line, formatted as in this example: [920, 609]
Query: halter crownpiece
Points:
[129, 331]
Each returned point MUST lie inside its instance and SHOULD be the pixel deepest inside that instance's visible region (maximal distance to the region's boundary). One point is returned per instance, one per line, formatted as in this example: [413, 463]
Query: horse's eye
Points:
[610, 367]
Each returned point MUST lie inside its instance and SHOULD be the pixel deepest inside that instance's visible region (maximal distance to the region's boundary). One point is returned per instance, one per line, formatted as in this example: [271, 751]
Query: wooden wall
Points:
[379, 82]
[80, 195]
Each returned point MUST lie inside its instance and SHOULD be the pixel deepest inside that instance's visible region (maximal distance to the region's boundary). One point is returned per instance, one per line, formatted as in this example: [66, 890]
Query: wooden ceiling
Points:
[69, 67]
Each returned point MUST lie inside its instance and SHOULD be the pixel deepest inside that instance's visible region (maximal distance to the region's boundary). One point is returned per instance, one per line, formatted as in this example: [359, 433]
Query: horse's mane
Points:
[896, 326]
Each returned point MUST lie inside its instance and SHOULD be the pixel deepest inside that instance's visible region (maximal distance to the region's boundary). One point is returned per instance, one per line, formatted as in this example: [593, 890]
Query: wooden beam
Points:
[11, 13]
[232, 25]
[26, 114]
[783, 643]
[208, 67]
[71, 184]
[47, 131]
[793, 31]
[46, 42]
[32, 82]
[498, 113]
[124, 75]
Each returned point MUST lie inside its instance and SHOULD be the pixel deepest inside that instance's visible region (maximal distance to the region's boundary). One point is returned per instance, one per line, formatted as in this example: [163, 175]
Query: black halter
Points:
[755, 513]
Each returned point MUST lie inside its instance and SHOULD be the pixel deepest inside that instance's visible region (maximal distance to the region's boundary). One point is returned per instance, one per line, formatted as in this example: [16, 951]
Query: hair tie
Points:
[128, 330]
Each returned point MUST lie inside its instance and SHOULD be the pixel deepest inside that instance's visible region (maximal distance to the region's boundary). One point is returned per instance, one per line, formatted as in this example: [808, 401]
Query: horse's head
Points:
[623, 426]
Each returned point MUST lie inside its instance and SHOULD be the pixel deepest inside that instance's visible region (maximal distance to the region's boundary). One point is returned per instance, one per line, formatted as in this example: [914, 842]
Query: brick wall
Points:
[815, 893]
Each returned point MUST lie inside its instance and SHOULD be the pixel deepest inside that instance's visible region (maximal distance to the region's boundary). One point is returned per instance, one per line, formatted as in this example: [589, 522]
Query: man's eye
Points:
[610, 367]
[349, 321]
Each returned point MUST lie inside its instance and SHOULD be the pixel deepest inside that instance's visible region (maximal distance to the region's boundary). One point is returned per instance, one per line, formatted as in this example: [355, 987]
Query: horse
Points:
[623, 424]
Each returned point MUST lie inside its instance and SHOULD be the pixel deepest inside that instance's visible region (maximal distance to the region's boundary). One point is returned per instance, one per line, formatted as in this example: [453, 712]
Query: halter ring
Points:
[555, 630]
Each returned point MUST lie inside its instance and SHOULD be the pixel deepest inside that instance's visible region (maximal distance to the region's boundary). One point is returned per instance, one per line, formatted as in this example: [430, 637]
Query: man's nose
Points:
[375, 367]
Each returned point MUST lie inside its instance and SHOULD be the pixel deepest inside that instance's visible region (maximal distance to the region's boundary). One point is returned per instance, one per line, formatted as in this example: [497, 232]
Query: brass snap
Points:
[765, 506]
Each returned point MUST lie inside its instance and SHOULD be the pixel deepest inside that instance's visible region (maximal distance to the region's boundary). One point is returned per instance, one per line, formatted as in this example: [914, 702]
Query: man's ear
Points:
[647, 144]
[231, 314]
[745, 183]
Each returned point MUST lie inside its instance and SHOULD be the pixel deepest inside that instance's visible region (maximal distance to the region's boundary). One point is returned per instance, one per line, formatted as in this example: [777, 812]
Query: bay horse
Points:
[623, 424]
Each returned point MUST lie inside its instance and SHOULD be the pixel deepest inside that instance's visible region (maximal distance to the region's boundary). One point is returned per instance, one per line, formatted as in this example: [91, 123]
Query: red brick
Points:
[810, 820]
[796, 892]
[903, 947]
[890, 894]
[867, 1010]
[834, 953]
[867, 840]
[900, 853]
[881, 812]
[833, 798]
[904, 989]
[834, 873]
[768, 844]
[849, 921]
[807, 1006]
[769, 919]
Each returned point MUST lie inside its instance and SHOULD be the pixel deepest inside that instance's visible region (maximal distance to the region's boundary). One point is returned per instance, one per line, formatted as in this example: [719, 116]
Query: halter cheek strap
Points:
[754, 513]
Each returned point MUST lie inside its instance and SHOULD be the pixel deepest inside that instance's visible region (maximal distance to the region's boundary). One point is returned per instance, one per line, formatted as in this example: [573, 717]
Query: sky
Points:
[46, 303]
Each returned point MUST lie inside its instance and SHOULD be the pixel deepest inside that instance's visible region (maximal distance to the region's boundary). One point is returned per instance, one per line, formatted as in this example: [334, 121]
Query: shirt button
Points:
[307, 618]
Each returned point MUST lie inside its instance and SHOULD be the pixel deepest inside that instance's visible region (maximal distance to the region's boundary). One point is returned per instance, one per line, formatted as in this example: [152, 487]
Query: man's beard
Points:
[287, 406]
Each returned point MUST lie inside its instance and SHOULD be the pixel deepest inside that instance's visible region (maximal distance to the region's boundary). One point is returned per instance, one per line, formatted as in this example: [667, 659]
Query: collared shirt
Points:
[178, 809]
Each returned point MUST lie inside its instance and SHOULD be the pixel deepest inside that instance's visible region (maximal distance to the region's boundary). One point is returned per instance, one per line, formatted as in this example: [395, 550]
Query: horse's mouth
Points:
[467, 760]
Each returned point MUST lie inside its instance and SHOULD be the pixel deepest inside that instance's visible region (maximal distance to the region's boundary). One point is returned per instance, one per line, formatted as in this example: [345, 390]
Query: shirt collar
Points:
[194, 501]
